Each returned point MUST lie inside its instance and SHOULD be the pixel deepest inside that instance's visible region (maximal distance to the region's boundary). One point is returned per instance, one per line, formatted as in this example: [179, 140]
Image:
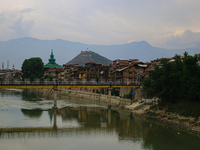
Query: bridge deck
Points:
[39, 86]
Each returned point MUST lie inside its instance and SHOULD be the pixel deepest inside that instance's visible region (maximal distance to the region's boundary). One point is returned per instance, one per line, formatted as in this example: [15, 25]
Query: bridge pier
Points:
[55, 99]
[109, 94]
[109, 117]
[55, 120]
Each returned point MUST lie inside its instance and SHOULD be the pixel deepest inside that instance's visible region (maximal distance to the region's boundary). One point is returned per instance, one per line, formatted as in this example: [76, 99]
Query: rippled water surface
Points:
[28, 122]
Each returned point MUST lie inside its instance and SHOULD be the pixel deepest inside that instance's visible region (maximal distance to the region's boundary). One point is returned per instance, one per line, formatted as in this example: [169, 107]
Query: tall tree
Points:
[32, 68]
[175, 81]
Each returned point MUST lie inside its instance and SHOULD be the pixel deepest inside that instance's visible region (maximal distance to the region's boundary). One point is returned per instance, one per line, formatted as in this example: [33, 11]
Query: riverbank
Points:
[168, 118]
[188, 123]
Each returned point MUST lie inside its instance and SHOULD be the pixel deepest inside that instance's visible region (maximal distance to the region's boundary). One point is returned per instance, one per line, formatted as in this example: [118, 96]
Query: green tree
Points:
[32, 68]
[115, 92]
[175, 81]
[190, 78]
[50, 77]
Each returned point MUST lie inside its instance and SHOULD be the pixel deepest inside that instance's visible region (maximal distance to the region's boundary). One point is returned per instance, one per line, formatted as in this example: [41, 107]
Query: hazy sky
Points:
[163, 23]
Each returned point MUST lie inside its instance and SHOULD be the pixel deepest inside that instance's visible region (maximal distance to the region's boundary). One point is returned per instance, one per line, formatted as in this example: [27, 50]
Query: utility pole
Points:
[2, 65]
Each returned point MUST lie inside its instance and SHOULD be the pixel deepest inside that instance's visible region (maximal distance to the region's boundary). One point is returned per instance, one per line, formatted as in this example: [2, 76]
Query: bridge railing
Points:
[69, 82]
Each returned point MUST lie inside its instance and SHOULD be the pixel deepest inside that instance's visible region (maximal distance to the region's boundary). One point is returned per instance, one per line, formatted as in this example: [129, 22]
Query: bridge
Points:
[42, 132]
[55, 85]
[64, 84]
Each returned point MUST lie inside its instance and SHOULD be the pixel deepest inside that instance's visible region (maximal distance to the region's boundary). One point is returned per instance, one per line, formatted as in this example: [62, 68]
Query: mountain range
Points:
[17, 50]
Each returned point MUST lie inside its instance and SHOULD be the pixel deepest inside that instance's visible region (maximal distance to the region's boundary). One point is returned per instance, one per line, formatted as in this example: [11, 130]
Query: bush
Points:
[151, 113]
[185, 109]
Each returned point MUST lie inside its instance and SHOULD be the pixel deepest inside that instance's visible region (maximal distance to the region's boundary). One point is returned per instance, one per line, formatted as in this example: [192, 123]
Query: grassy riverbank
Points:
[184, 115]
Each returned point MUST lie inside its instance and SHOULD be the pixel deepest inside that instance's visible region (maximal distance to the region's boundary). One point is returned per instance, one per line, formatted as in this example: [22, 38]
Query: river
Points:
[29, 123]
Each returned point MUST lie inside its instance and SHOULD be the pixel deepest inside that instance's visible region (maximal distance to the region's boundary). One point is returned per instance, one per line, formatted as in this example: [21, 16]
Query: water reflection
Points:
[28, 95]
[84, 127]
[85, 116]
[11, 92]
[125, 125]
[160, 137]
[35, 113]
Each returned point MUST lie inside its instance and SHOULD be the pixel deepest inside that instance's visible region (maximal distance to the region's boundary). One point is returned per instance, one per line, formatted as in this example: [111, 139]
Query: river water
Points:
[29, 123]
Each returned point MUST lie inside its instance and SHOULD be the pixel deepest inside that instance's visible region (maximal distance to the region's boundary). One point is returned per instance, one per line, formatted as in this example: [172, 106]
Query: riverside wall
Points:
[110, 100]
[125, 91]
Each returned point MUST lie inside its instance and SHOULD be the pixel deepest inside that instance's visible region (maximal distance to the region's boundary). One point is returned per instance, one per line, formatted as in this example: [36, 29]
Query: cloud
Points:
[100, 21]
[15, 23]
[182, 40]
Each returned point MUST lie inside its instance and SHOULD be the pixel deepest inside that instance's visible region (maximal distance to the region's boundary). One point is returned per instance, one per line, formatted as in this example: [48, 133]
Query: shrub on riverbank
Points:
[185, 109]
[170, 110]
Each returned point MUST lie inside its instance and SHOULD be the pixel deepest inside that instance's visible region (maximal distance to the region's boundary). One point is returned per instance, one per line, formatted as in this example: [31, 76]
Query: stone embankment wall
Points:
[112, 100]
[145, 102]
[139, 93]
[126, 91]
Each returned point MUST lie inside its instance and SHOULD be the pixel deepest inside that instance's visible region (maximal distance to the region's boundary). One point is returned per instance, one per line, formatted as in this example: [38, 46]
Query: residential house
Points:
[93, 71]
[132, 73]
[71, 71]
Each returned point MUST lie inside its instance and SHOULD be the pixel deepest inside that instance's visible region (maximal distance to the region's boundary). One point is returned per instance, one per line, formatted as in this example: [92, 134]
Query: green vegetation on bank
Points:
[177, 84]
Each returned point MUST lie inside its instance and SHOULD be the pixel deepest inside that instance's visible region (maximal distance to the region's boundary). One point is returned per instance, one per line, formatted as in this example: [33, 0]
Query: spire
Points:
[51, 56]
[52, 59]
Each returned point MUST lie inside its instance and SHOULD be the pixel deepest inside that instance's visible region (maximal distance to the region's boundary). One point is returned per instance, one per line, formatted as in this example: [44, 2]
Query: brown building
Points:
[150, 67]
[131, 73]
[71, 71]
[93, 71]
[10, 75]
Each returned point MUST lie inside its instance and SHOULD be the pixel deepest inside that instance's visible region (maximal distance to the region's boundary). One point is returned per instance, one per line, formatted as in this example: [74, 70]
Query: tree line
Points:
[177, 81]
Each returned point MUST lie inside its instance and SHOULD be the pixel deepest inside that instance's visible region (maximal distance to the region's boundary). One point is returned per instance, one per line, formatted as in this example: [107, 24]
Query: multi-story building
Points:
[132, 73]
[93, 71]
[89, 71]
[71, 71]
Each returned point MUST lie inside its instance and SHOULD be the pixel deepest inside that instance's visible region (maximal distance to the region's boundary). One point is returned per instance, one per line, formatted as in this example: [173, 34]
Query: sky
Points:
[162, 23]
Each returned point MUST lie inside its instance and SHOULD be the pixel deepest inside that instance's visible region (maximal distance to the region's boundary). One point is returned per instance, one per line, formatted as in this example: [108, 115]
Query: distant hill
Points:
[89, 56]
[17, 50]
